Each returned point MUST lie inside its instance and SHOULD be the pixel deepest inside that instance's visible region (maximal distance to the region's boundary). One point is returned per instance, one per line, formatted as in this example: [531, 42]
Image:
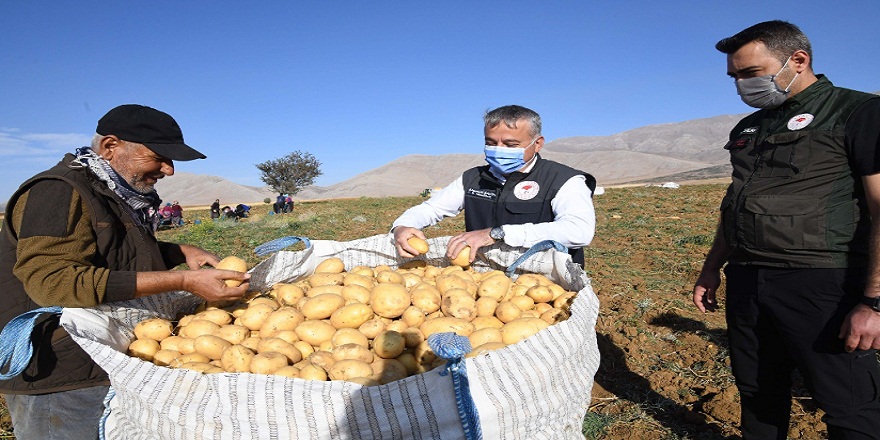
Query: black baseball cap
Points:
[145, 125]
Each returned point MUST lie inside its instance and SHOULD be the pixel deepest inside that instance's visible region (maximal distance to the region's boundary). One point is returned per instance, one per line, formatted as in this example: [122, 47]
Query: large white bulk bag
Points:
[538, 388]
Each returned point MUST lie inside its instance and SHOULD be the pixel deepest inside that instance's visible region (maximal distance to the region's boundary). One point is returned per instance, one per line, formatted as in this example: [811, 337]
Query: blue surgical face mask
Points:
[506, 160]
[762, 91]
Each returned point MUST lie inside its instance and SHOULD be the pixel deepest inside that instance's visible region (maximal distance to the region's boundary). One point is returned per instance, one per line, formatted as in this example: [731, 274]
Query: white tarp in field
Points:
[536, 389]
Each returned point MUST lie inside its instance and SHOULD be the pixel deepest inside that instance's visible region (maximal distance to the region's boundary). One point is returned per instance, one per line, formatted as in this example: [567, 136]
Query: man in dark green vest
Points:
[79, 235]
[802, 254]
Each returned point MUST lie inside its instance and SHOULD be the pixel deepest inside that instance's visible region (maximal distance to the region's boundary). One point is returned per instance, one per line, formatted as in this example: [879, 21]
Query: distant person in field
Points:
[802, 254]
[280, 201]
[519, 197]
[176, 214]
[215, 210]
[79, 235]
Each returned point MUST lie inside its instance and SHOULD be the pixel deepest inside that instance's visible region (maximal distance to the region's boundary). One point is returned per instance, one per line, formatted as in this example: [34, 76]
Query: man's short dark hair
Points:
[510, 115]
[781, 38]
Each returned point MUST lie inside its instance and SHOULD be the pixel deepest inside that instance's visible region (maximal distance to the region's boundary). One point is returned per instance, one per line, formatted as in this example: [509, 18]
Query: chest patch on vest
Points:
[800, 121]
[482, 193]
[526, 190]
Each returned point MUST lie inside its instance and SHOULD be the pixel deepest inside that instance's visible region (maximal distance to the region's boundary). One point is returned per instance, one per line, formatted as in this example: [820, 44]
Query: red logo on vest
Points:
[526, 190]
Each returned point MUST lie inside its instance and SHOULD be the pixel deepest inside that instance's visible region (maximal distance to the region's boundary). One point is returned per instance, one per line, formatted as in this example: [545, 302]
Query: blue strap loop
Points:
[280, 243]
[453, 348]
[102, 424]
[16, 348]
[537, 247]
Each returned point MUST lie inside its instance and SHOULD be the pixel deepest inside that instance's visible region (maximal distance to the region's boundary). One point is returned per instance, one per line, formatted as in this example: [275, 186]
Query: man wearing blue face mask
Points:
[796, 233]
[518, 198]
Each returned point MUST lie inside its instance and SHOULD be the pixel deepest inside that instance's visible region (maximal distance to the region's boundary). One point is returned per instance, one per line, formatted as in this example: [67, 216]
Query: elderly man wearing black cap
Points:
[79, 235]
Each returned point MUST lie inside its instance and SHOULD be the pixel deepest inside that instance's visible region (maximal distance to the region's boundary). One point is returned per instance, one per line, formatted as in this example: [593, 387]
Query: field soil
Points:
[664, 372]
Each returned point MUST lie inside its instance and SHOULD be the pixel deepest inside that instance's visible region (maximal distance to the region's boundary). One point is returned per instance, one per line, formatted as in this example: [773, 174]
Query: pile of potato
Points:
[365, 325]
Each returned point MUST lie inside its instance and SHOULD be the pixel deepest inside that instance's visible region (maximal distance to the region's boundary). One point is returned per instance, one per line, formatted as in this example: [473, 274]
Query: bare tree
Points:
[291, 173]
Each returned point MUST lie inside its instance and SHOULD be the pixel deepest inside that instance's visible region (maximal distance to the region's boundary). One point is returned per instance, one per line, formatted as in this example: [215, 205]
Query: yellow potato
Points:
[484, 335]
[211, 346]
[322, 306]
[363, 270]
[287, 335]
[255, 315]
[458, 303]
[304, 347]
[420, 245]
[287, 371]
[389, 344]
[424, 355]
[356, 279]
[450, 281]
[348, 336]
[355, 292]
[144, 349]
[280, 346]
[156, 329]
[187, 358]
[352, 351]
[397, 325]
[234, 334]
[463, 258]
[413, 336]
[251, 342]
[390, 276]
[426, 297]
[286, 294]
[507, 311]
[389, 300]
[486, 306]
[495, 287]
[314, 332]
[387, 370]
[543, 307]
[372, 328]
[349, 368]
[186, 346]
[564, 301]
[267, 363]
[486, 321]
[232, 263]
[351, 316]
[217, 316]
[170, 343]
[413, 316]
[319, 279]
[485, 348]
[323, 359]
[310, 371]
[365, 381]
[553, 316]
[410, 280]
[523, 302]
[201, 367]
[198, 327]
[408, 360]
[446, 324]
[237, 359]
[330, 265]
[163, 357]
[522, 328]
[285, 318]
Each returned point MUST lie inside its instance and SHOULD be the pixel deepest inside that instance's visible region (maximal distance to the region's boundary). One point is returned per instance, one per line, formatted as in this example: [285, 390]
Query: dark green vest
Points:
[58, 363]
[794, 201]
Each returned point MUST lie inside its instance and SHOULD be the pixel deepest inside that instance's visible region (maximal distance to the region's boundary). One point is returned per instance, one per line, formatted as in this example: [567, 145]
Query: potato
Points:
[463, 257]
[365, 381]
[348, 336]
[211, 346]
[349, 368]
[446, 324]
[413, 336]
[351, 315]
[485, 348]
[304, 347]
[372, 327]
[419, 244]
[232, 263]
[251, 342]
[387, 370]
[450, 281]
[355, 279]
[255, 315]
[564, 301]
[156, 329]
[431, 272]
[458, 303]
[553, 316]
[330, 265]
[144, 349]
[543, 307]
[198, 327]
[163, 357]
[285, 318]
[507, 311]
[267, 363]
[217, 316]
[486, 321]
[363, 270]
[237, 359]
[389, 344]
[201, 367]
[495, 287]
[389, 276]
[170, 343]
[234, 334]
[326, 279]
[322, 306]
[389, 300]
[352, 351]
[397, 325]
[188, 357]
[413, 316]
[426, 297]
[287, 371]
[287, 335]
[424, 355]
[314, 332]
[280, 346]
[408, 360]
[357, 293]
[557, 290]
[186, 346]
[310, 371]
[286, 294]
[485, 306]
[522, 328]
[523, 302]
[410, 280]
[322, 358]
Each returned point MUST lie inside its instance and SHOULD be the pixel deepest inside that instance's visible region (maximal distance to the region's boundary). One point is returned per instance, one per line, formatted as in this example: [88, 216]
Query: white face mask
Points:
[762, 91]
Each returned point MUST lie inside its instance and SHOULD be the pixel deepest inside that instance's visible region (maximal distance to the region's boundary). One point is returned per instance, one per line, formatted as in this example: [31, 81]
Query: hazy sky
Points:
[360, 83]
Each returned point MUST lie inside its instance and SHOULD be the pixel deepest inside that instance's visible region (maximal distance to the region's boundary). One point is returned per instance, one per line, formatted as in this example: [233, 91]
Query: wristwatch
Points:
[873, 303]
[496, 233]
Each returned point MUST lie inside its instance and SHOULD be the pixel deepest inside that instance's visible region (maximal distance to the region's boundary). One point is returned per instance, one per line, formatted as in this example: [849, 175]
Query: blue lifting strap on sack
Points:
[15, 341]
[453, 348]
[111, 393]
[537, 247]
[280, 243]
